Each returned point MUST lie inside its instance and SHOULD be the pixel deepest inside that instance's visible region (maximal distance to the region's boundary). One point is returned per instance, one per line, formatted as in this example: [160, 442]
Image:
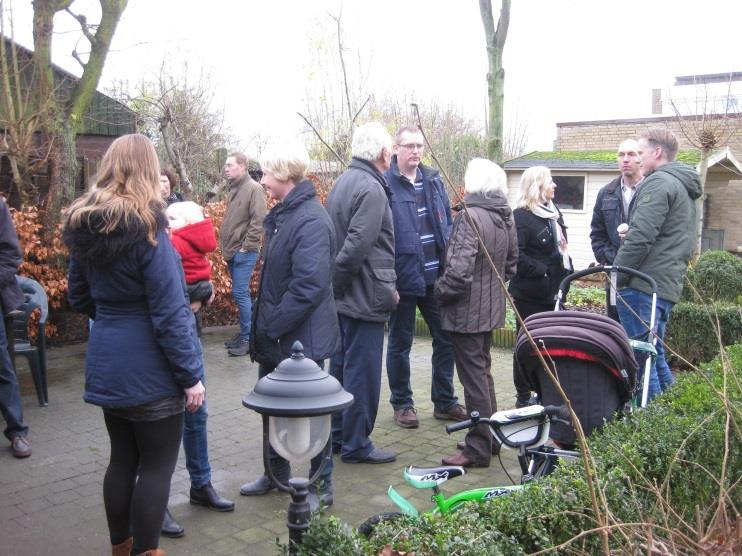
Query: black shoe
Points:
[207, 496]
[377, 455]
[261, 485]
[320, 499]
[170, 527]
[233, 341]
[242, 347]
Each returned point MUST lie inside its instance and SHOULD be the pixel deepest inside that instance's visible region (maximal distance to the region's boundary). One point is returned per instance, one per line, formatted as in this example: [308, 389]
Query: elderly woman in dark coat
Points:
[295, 299]
[144, 364]
[472, 300]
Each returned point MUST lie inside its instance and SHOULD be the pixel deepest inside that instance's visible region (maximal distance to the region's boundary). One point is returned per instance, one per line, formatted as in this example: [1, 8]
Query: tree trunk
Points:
[166, 125]
[703, 167]
[495, 40]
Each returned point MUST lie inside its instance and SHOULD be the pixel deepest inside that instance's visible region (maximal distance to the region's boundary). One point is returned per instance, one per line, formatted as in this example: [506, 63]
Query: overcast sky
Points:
[565, 60]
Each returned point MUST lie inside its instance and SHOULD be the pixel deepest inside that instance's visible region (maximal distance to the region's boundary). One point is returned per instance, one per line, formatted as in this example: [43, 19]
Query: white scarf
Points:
[549, 212]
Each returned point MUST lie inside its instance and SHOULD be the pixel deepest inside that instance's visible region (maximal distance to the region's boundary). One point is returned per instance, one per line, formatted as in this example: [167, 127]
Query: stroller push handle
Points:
[607, 268]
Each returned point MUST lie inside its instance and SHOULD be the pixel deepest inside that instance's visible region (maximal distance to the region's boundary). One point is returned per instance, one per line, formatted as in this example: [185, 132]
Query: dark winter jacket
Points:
[295, 300]
[470, 295]
[608, 214]
[662, 235]
[143, 346]
[409, 260]
[11, 258]
[540, 266]
[364, 278]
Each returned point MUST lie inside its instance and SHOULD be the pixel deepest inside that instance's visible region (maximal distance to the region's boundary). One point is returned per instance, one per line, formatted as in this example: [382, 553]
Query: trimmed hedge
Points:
[692, 329]
[716, 275]
[677, 441]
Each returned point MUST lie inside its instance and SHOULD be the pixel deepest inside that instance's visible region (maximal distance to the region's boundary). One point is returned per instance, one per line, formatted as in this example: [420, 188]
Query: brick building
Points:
[105, 120]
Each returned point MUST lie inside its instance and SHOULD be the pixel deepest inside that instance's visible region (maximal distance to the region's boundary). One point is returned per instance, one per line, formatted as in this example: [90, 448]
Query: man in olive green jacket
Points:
[660, 242]
[239, 240]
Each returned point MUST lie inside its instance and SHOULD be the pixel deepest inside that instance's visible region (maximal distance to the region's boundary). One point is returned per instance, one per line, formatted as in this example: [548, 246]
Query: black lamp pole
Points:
[296, 388]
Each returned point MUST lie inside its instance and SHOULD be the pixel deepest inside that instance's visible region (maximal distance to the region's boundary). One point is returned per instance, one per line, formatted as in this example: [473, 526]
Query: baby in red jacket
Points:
[193, 237]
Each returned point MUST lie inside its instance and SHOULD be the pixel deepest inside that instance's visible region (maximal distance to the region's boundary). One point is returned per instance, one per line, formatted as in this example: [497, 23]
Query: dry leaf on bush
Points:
[389, 551]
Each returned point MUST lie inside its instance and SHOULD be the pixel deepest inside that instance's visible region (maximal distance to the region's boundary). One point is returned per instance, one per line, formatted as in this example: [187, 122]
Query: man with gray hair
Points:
[613, 208]
[364, 288]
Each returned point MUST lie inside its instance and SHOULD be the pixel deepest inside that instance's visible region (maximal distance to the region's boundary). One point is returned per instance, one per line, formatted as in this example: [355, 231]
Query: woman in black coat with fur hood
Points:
[543, 260]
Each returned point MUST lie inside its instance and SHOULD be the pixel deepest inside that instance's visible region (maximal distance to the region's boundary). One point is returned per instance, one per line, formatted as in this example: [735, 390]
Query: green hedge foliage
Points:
[692, 330]
[676, 445]
[717, 275]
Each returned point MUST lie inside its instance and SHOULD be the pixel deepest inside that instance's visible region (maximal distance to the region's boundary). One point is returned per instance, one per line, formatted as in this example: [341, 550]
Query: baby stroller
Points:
[593, 360]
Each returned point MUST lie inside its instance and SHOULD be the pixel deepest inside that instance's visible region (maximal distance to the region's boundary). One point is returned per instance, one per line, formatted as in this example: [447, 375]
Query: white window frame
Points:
[583, 175]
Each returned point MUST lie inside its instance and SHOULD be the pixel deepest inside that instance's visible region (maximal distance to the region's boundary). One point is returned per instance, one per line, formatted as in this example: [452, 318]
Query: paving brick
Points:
[52, 503]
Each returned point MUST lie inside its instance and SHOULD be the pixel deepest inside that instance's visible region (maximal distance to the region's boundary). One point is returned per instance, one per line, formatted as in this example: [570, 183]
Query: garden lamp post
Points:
[296, 401]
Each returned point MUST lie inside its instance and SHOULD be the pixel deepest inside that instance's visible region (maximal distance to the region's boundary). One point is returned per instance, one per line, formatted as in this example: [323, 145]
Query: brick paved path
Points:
[51, 503]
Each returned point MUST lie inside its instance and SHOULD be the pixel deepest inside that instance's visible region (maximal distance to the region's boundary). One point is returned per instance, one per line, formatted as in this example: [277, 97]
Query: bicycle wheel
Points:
[367, 527]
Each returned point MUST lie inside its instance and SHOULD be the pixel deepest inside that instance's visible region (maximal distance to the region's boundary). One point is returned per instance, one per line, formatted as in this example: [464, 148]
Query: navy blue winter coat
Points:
[608, 213]
[409, 260]
[295, 300]
[143, 346]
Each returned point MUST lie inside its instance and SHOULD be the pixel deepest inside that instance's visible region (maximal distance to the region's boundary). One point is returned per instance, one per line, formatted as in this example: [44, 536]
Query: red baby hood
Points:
[200, 235]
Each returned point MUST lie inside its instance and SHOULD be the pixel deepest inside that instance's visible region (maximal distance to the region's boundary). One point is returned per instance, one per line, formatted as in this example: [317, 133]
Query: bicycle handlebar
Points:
[467, 424]
[555, 412]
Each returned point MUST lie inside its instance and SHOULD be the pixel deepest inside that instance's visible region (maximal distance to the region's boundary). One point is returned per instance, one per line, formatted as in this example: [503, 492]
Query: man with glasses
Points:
[613, 208]
[422, 222]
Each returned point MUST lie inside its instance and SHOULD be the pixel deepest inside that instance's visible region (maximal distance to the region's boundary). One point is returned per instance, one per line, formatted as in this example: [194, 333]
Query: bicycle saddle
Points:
[428, 477]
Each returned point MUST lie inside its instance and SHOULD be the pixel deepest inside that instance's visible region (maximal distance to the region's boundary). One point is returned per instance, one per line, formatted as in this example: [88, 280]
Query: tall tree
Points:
[495, 39]
[177, 112]
[64, 116]
[709, 126]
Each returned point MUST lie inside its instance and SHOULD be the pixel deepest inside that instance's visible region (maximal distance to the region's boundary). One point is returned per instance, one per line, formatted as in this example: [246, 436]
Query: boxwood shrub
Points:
[692, 329]
[716, 275]
[678, 442]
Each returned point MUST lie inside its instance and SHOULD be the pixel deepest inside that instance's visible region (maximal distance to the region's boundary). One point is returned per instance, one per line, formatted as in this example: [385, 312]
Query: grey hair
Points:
[485, 178]
[370, 140]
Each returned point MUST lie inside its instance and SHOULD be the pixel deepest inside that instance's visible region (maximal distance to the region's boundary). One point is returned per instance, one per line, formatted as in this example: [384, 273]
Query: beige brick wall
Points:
[724, 208]
[608, 134]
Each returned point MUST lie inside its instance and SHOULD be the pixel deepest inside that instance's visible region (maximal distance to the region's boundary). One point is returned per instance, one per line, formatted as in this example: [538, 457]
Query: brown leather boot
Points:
[123, 549]
[153, 552]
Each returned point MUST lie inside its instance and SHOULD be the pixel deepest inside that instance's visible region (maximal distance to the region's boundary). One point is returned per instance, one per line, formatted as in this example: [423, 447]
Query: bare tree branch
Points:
[319, 136]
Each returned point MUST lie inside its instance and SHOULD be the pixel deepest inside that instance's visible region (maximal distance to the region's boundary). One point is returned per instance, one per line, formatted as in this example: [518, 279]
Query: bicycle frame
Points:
[524, 429]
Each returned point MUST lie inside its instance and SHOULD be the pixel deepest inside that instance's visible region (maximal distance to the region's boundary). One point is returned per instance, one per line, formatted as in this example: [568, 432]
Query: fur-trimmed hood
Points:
[89, 244]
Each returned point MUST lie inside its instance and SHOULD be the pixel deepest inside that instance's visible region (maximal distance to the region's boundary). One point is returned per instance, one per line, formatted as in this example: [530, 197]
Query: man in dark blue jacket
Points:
[422, 221]
[613, 207]
[11, 298]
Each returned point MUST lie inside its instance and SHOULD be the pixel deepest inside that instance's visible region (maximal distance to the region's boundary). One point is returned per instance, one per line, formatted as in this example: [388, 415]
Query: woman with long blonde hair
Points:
[543, 259]
[144, 364]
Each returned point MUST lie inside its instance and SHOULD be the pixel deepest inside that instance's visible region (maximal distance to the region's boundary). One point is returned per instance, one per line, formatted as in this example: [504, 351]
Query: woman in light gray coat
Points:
[472, 300]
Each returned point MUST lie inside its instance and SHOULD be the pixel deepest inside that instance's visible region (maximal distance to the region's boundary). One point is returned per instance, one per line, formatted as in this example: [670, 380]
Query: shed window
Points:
[570, 192]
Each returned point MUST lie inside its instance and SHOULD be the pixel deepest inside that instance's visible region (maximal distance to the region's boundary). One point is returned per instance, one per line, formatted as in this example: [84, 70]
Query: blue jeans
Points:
[240, 269]
[660, 375]
[401, 332]
[357, 366]
[196, 447]
[10, 395]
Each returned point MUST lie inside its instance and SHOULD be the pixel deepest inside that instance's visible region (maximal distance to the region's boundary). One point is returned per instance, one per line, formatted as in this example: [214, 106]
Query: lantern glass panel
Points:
[298, 439]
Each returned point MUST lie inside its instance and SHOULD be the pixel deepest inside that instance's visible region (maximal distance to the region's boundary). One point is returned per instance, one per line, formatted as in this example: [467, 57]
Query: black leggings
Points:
[137, 483]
